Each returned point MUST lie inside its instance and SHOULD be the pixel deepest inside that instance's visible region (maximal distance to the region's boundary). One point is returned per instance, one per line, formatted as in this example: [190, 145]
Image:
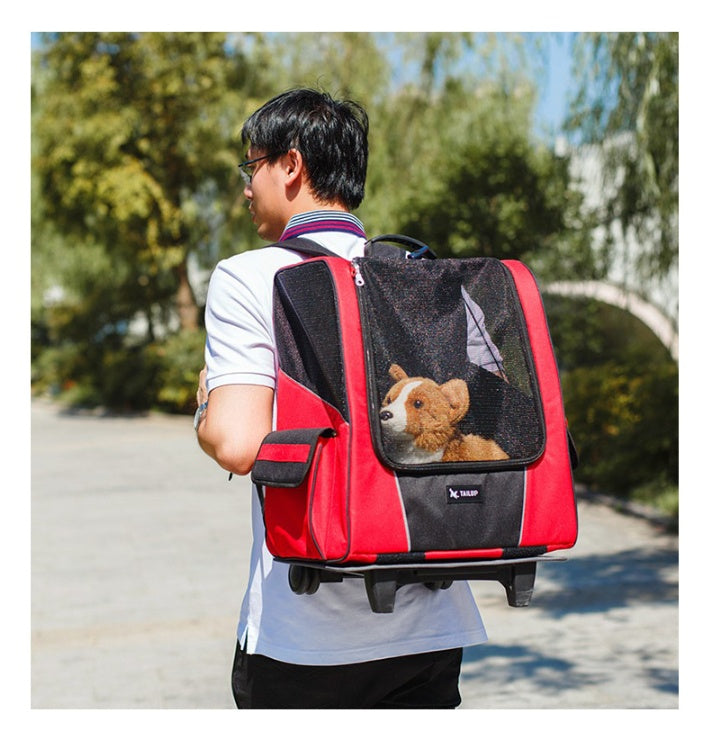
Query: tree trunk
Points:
[185, 300]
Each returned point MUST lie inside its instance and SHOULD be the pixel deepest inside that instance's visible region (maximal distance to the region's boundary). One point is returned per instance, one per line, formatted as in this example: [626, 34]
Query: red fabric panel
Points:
[378, 520]
[284, 453]
[298, 526]
[550, 516]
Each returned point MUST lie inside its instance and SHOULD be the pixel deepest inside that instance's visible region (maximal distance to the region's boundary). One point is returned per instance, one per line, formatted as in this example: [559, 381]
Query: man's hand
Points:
[202, 393]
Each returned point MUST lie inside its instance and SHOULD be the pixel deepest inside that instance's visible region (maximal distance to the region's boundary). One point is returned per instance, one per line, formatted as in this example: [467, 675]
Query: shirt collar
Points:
[323, 221]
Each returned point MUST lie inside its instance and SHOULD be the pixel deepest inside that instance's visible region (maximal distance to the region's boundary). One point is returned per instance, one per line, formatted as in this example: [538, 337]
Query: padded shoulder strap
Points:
[385, 245]
[305, 247]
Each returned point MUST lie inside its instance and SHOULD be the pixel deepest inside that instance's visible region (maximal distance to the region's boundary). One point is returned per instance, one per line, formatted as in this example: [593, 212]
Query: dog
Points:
[419, 419]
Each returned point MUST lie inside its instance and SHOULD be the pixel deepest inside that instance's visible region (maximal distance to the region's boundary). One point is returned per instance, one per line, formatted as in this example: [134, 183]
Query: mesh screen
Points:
[307, 332]
[451, 374]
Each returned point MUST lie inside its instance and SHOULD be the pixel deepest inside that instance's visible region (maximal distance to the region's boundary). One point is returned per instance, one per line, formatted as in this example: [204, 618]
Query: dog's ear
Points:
[457, 394]
[397, 373]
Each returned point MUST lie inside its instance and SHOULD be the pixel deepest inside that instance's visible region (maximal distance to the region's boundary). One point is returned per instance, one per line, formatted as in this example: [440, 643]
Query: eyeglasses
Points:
[247, 168]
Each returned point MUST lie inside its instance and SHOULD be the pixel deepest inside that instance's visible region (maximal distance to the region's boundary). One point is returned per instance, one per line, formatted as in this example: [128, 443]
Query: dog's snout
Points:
[385, 415]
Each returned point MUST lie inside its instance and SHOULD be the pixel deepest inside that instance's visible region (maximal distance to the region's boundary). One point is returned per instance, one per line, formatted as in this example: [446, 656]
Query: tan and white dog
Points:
[419, 421]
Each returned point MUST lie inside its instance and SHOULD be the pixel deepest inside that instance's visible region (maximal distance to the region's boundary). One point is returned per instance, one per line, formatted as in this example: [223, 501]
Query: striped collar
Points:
[323, 221]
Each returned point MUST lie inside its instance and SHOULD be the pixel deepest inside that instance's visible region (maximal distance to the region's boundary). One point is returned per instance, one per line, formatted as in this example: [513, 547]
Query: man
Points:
[304, 173]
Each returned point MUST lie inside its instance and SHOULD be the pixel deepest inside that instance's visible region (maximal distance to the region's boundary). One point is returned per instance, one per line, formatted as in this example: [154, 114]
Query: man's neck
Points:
[308, 202]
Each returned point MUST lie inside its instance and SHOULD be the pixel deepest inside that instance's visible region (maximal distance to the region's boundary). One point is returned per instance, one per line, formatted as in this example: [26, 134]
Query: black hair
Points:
[330, 134]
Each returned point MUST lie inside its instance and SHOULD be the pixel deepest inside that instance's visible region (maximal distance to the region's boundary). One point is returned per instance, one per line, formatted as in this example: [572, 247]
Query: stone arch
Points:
[661, 326]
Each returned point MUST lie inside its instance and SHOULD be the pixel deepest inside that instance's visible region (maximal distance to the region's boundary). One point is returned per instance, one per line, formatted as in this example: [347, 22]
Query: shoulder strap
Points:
[305, 247]
[382, 246]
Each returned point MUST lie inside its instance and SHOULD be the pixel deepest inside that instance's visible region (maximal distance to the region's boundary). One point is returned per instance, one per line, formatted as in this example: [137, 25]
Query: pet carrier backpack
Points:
[420, 434]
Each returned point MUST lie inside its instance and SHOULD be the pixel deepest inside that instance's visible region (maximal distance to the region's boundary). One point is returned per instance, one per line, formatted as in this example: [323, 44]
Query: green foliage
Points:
[508, 198]
[154, 375]
[620, 390]
[134, 144]
[661, 494]
[130, 131]
[629, 99]
[625, 425]
[460, 169]
[588, 333]
[348, 65]
[128, 378]
[180, 359]
[90, 375]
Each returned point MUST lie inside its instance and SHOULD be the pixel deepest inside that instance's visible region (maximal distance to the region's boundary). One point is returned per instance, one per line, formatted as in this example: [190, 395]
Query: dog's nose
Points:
[385, 415]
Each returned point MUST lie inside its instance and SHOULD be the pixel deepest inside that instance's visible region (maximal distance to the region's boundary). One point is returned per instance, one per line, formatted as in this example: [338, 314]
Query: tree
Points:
[135, 146]
[628, 103]
[621, 394]
[476, 183]
[347, 65]
[135, 153]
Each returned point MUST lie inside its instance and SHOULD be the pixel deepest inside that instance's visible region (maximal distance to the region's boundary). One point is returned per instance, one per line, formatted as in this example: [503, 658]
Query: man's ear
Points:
[293, 165]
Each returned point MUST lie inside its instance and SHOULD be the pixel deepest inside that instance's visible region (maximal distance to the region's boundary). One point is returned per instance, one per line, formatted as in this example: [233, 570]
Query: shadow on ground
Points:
[593, 609]
[514, 663]
[601, 583]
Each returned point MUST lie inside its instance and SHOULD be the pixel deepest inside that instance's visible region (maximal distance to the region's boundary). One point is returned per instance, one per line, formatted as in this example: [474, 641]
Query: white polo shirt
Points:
[335, 625]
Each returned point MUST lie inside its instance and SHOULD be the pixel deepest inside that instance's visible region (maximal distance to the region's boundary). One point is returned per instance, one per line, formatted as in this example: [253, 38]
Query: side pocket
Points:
[288, 465]
[285, 456]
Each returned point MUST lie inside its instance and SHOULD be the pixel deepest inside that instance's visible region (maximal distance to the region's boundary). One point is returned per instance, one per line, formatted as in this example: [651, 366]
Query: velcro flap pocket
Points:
[285, 456]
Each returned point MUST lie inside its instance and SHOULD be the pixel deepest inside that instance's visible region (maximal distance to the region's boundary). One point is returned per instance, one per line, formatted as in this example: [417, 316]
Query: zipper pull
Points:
[357, 274]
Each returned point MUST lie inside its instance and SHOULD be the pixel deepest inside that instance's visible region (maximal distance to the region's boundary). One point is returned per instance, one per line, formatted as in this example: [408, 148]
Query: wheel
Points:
[297, 579]
[313, 581]
[303, 580]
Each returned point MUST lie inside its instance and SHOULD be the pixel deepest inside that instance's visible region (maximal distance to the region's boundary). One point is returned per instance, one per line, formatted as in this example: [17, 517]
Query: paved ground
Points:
[139, 551]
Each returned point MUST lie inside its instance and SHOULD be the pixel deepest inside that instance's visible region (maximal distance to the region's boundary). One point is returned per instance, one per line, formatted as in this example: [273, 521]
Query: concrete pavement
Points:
[139, 560]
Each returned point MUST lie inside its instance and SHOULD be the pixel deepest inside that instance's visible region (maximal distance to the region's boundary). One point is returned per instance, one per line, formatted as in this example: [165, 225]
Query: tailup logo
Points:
[463, 494]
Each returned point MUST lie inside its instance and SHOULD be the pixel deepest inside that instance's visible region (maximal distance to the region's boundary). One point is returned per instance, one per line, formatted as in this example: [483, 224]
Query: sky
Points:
[548, 64]
[555, 87]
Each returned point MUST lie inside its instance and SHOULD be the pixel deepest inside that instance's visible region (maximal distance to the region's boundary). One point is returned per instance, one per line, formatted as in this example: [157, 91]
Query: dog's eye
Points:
[417, 403]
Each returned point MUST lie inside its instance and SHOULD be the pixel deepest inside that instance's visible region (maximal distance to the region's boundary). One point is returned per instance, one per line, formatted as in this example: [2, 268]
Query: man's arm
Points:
[236, 421]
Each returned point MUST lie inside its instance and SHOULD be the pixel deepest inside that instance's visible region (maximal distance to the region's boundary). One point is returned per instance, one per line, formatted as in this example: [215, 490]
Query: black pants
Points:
[428, 680]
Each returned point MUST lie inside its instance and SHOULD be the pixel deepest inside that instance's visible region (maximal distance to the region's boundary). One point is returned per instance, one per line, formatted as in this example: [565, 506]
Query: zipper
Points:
[357, 273]
[372, 404]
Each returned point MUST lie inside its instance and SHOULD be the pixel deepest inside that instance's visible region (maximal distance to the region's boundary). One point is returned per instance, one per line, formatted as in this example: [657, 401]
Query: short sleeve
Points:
[240, 345]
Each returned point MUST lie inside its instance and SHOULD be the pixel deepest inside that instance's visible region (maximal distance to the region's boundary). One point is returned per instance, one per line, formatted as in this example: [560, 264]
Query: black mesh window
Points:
[307, 331]
[452, 376]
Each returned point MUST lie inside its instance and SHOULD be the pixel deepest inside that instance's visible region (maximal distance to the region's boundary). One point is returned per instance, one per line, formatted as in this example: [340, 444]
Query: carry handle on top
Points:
[417, 250]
